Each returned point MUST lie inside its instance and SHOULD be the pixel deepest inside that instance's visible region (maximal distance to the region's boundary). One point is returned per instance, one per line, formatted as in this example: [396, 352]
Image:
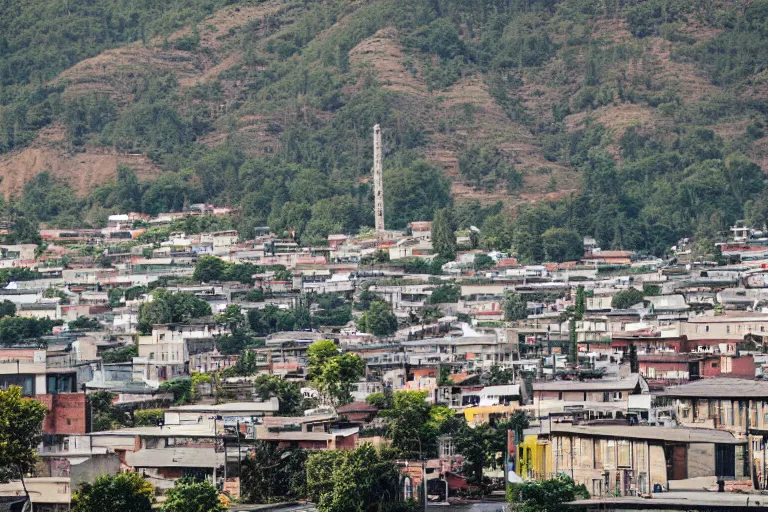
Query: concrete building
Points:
[629, 460]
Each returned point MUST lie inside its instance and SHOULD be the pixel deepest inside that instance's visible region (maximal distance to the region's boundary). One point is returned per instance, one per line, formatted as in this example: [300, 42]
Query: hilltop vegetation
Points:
[637, 122]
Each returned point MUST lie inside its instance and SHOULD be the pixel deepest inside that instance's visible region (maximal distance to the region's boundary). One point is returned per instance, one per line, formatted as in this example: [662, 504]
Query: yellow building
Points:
[533, 458]
[489, 413]
[626, 460]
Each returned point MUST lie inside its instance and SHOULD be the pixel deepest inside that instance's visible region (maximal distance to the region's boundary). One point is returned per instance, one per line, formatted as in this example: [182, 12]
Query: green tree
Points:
[484, 262]
[332, 372]
[443, 237]
[382, 400]
[105, 416]
[545, 496]
[430, 314]
[484, 167]
[651, 290]
[181, 389]
[515, 307]
[190, 496]
[287, 393]
[581, 307]
[128, 492]
[170, 307]
[46, 197]
[21, 427]
[447, 293]
[25, 230]
[271, 474]
[378, 320]
[233, 317]
[235, 343]
[562, 245]
[634, 366]
[479, 447]
[357, 480]
[498, 376]
[7, 308]
[411, 426]
[209, 268]
[147, 417]
[14, 329]
[626, 298]
[573, 350]
[84, 323]
[120, 355]
[497, 232]
[414, 193]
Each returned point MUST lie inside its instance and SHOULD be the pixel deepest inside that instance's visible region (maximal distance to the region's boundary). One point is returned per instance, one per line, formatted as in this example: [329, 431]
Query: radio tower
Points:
[378, 182]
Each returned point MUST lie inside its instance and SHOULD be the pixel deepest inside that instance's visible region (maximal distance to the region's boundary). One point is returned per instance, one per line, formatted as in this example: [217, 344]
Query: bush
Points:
[626, 298]
[181, 389]
[147, 417]
[448, 293]
[84, 323]
[120, 355]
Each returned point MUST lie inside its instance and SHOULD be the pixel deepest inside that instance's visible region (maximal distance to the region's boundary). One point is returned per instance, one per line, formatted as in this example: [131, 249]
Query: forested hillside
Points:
[638, 122]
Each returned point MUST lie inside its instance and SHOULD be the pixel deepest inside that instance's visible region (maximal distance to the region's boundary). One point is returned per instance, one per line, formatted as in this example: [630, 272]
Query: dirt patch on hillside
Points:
[615, 30]
[693, 85]
[82, 171]
[383, 53]
[471, 117]
[114, 72]
[211, 73]
[616, 118]
[215, 29]
[260, 135]
[759, 153]
[462, 192]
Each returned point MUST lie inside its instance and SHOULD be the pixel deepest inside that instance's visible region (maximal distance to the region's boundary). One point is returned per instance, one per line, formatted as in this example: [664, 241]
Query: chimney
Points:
[378, 182]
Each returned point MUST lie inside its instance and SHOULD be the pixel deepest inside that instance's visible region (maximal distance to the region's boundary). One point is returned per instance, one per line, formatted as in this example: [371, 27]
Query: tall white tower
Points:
[378, 182]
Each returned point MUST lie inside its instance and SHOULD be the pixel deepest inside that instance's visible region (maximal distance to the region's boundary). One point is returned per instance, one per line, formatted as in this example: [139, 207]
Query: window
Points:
[407, 488]
[727, 329]
[625, 455]
[610, 454]
[598, 454]
[25, 382]
[640, 462]
[715, 365]
[597, 487]
[585, 453]
[706, 328]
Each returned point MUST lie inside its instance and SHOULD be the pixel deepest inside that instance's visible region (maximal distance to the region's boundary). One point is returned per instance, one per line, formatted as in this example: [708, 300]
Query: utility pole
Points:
[239, 456]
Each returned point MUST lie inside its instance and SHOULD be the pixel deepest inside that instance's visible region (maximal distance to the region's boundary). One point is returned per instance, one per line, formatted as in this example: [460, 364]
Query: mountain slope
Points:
[637, 122]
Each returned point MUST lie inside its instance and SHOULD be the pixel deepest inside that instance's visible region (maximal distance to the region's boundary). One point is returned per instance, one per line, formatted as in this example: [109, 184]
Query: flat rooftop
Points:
[719, 388]
[231, 408]
[671, 434]
[691, 500]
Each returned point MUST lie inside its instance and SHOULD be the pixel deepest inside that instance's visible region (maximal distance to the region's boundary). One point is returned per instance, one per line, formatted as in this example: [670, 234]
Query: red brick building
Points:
[67, 413]
[674, 368]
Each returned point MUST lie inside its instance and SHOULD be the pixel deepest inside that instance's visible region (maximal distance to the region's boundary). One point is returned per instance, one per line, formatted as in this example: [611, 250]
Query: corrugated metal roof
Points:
[719, 388]
[175, 458]
[598, 385]
[675, 435]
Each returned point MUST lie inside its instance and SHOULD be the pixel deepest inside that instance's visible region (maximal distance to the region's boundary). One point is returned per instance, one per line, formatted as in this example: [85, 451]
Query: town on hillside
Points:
[274, 372]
